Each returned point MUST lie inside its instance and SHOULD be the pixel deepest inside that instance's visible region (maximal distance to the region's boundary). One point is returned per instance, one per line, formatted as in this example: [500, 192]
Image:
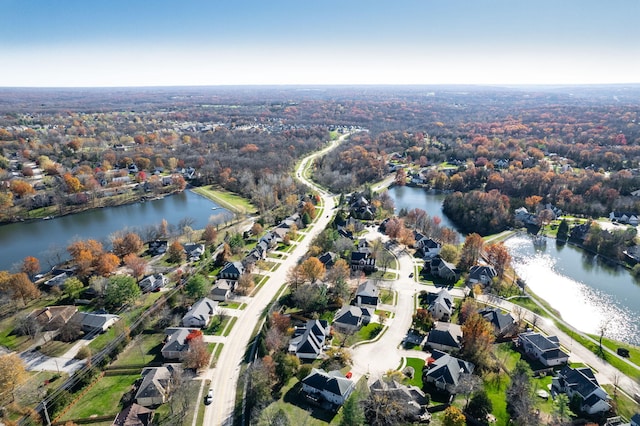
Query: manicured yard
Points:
[55, 348]
[634, 351]
[227, 329]
[417, 364]
[143, 349]
[368, 332]
[626, 406]
[103, 398]
[386, 296]
[216, 327]
[232, 305]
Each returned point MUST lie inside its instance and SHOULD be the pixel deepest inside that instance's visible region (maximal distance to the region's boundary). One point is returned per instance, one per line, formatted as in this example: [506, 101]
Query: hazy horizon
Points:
[251, 43]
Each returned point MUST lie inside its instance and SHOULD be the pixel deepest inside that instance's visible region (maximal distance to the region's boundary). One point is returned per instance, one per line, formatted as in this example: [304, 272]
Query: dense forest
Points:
[578, 148]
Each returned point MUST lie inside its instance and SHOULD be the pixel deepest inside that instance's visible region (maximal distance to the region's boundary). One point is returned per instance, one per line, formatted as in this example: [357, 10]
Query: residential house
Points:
[222, 290]
[625, 217]
[632, 253]
[367, 295]
[503, 323]
[427, 246]
[523, 215]
[581, 383]
[360, 208]
[445, 336]
[158, 247]
[544, 349]
[327, 259]
[444, 370]
[441, 308]
[200, 313]
[635, 420]
[579, 232]
[92, 323]
[351, 318]
[557, 212]
[362, 262]
[291, 221]
[363, 246]
[155, 387]
[176, 344]
[481, 274]
[438, 267]
[231, 271]
[193, 251]
[332, 386]
[53, 317]
[308, 340]
[412, 398]
[153, 282]
[58, 279]
[134, 415]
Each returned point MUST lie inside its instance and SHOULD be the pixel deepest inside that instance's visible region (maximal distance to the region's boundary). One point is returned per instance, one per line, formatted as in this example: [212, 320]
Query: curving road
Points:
[224, 377]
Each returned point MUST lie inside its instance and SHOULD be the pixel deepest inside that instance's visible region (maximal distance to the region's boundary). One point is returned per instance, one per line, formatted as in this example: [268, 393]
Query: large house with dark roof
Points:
[231, 271]
[438, 267]
[332, 386]
[481, 274]
[134, 415]
[444, 370]
[441, 308]
[544, 349]
[411, 397]
[367, 295]
[200, 313]
[175, 344]
[581, 383]
[503, 323]
[445, 336]
[362, 262]
[351, 318]
[308, 341]
[155, 387]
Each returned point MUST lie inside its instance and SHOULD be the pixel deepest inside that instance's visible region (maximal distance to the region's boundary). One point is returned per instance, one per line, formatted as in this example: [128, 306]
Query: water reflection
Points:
[584, 304]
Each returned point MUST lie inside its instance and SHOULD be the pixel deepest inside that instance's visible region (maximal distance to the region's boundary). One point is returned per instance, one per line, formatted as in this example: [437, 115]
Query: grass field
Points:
[143, 349]
[226, 199]
[103, 398]
[417, 365]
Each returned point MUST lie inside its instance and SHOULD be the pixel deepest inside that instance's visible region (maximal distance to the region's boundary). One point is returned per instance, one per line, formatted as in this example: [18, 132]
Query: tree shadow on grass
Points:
[295, 396]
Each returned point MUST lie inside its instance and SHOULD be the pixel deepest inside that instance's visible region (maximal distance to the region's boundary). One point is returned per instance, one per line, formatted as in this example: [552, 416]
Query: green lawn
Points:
[386, 296]
[143, 349]
[216, 327]
[634, 351]
[233, 305]
[226, 199]
[103, 398]
[54, 348]
[126, 319]
[417, 364]
[626, 406]
[368, 332]
[227, 329]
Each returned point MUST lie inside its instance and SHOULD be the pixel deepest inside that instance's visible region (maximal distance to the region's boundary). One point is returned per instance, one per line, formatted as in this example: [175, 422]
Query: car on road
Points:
[209, 398]
[411, 275]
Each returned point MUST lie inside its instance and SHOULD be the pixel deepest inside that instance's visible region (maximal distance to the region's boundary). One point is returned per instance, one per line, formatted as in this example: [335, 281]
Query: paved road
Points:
[224, 377]
[605, 372]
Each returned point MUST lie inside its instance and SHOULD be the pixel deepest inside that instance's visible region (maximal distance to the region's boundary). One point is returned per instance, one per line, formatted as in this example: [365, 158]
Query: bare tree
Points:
[27, 325]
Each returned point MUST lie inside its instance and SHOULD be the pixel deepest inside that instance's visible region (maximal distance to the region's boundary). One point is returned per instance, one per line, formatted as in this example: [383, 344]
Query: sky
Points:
[86, 43]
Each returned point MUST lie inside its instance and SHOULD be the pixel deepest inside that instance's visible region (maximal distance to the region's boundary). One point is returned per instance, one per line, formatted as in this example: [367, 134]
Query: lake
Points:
[585, 290]
[44, 238]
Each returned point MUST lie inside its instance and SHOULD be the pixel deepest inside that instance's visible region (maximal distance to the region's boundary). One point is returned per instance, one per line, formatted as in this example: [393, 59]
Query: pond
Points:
[583, 288]
[48, 239]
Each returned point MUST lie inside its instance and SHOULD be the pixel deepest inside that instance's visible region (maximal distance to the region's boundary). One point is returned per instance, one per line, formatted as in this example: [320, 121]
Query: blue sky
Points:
[220, 42]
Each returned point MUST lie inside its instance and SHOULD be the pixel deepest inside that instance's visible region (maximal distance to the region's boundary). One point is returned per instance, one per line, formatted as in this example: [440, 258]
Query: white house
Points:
[441, 307]
[544, 349]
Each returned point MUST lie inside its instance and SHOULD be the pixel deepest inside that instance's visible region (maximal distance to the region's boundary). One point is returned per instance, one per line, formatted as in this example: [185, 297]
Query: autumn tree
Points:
[19, 286]
[471, 251]
[198, 356]
[245, 283]
[126, 244]
[73, 183]
[210, 234]
[21, 188]
[137, 264]
[477, 340]
[106, 263]
[400, 177]
[532, 202]
[122, 289]
[175, 253]
[12, 373]
[85, 255]
[224, 255]
[498, 256]
[310, 297]
[340, 271]
[30, 266]
[453, 417]
[309, 208]
[312, 269]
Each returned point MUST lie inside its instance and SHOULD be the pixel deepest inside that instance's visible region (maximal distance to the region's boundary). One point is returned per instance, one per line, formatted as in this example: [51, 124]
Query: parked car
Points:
[209, 398]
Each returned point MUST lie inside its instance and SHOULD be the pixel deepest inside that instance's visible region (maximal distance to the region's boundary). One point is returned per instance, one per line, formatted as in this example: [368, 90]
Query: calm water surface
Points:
[44, 237]
[585, 290]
